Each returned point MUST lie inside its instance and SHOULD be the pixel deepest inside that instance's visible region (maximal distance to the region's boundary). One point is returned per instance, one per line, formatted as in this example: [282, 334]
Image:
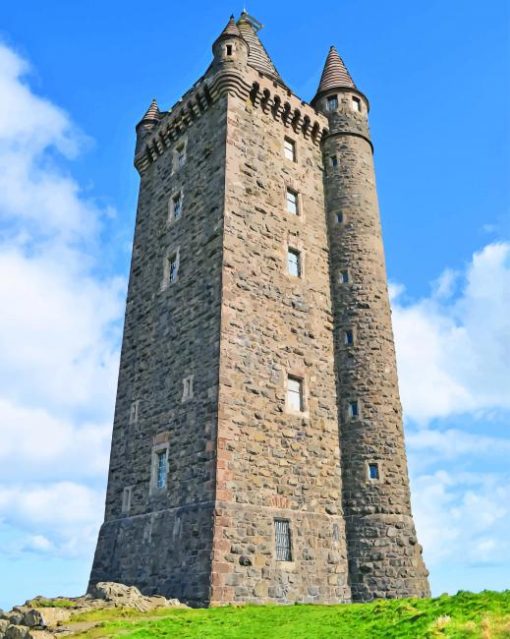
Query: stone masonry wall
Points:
[273, 463]
[384, 556]
[163, 544]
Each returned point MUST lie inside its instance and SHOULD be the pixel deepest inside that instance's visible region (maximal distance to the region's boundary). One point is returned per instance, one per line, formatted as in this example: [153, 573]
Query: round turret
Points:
[230, 47]
[339, 99]
[147, 123]
[384, 556]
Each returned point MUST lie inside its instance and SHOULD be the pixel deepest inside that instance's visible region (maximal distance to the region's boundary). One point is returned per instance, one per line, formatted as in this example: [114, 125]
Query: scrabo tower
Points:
[258, 451]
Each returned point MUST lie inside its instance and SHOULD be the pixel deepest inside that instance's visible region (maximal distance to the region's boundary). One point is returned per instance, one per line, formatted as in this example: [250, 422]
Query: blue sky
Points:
[75, 77]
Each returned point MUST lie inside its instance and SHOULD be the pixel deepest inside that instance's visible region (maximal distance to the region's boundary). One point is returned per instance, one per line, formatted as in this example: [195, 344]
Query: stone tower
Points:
[257, 451]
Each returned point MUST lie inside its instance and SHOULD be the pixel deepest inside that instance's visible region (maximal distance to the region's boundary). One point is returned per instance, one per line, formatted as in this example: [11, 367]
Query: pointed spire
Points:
[258, 57]
[231, 29]
[335, 74]
[153, 113]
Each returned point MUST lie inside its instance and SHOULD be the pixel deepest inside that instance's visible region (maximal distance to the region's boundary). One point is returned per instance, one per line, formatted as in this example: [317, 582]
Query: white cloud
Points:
[454, 363]
[61, 517]
[34, 190]
[453, 443]
[453, 350]
[462, 517]
[59, 328]
[50, 447]
[56, 345]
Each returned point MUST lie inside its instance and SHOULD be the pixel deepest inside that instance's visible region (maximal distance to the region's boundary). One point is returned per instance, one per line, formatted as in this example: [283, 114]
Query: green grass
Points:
[42, 602]
[465, 615]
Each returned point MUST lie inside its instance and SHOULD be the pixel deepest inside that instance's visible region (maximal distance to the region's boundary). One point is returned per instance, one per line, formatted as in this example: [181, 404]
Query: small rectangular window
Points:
[177, 206]
[295, 394]
[161, 468]
[344, 277]
[332, 103]
[187, 390]
[283, 542]
[127, 493]
[373, 471]
[229, 49]
[353, 410]
[334, 161]
[356, 104]
[292, 202]
[348, 337]
[294, 263]
[339, 218]
[289, 148]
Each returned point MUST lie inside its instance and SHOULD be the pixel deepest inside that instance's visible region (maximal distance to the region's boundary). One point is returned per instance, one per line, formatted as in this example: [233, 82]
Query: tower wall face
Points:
[384, 556]
[163, 544]
[273, 463]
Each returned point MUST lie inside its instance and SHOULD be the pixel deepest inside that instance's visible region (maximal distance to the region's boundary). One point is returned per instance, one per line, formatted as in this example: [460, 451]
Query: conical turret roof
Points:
[335, 74]
[153, 112]
[231, 29]
[258, 57]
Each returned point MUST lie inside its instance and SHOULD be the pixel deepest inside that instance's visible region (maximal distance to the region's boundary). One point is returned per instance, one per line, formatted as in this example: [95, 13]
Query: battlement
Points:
[271, 96]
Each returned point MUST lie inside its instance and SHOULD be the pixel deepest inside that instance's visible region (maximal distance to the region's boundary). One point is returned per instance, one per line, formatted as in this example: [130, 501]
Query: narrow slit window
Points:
[339, 218]
[173, 267]
[294, 262]
[289, 148]
[344, 277]
[133, 411]
[348, 337]
[229, 49]
[283, 542]
[356, 104]
[295, 394]
[180, 156]
[353, 410]
[332, 103]
[334, 161]
[373, 471]
[127, 493]
[187, 390]
[177, 206]
[292, 202]
[161, 468]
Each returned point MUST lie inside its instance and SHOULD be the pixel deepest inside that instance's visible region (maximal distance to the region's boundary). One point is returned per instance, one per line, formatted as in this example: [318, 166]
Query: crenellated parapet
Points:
[171, 125]
[285, 107]
[273, 98]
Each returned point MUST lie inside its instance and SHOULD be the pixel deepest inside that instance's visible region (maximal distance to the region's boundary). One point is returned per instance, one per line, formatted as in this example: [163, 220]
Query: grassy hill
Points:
[465, 615]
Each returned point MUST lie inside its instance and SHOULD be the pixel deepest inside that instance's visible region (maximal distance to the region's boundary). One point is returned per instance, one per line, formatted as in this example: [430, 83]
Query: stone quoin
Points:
[258, 447]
